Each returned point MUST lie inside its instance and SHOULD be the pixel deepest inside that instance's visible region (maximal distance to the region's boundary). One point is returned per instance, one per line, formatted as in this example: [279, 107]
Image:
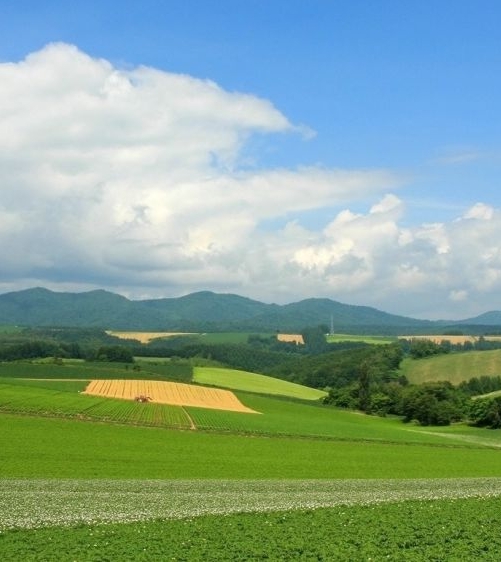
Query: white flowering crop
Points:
[40, 503]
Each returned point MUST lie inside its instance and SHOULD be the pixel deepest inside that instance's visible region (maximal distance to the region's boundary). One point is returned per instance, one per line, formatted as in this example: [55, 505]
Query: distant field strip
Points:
[437, 338]
[373, 340]
[176, 394]
[31, 504]
[145, 337]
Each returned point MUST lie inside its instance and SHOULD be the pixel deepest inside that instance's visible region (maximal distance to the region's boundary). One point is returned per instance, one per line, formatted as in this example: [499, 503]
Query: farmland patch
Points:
[146, 337]
[36, 503]
[291, 338]
[253, 382]
[452, 367]
[172, 393]
[372, 340]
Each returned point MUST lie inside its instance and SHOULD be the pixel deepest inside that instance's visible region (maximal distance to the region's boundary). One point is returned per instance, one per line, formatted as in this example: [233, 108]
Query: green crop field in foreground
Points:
[54, 448]
[37, 503]
[252, 382]
[416, 530]
[64, 400]
[453, 367]
[358, 488]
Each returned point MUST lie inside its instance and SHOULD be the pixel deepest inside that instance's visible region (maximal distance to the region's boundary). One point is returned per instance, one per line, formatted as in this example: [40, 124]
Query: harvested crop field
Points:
[294, 338]
[146, 337]
[176, 394]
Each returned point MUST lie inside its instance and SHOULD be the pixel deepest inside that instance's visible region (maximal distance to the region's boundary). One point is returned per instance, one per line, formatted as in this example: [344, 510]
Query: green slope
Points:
[453, 367]
[253, 382]
[54, 448]
[278, 417]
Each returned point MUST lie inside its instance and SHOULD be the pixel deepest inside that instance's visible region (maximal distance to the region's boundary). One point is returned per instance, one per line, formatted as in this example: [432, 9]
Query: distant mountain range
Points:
[208, 311]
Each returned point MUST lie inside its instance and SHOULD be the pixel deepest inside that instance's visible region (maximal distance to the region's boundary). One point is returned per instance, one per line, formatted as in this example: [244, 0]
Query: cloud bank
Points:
[135, 180]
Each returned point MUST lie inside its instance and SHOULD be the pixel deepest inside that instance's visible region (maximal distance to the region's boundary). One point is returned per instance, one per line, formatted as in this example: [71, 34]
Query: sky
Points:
[279, 150]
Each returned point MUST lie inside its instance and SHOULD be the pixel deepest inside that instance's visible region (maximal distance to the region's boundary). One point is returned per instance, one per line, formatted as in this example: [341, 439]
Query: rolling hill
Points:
[202, 311]
[206, 311]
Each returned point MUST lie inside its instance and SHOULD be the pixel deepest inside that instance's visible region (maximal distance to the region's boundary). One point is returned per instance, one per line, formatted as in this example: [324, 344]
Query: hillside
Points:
[453, 367]
[492, 318]
[202, 311]
[253, 382]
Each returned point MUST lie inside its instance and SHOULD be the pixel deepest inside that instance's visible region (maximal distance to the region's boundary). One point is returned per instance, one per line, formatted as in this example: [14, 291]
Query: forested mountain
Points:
[202, 311]
[492, 318]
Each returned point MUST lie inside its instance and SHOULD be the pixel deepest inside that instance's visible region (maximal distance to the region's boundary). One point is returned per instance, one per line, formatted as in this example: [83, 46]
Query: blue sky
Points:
[279, 150]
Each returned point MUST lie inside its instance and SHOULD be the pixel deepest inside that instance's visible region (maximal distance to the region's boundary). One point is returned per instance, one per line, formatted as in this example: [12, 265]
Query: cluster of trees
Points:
[432, 403]
[486, 412]
[113, 354]
[75, 343]
[39, 349]
[480, 385]
[64, 343]
[235, 356]
[337, 369]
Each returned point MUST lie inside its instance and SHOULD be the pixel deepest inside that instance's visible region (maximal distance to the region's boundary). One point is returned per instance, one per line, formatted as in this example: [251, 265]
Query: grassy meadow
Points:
[92, 478]
[253, 382]
[453, 367]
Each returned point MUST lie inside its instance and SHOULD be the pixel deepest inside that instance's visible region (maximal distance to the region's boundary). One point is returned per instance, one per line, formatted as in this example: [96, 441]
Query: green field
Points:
[37, 447]
[278, 417]
[63, 399]
[252, 382]
[91, 478]
[453, 367]
[414, 531]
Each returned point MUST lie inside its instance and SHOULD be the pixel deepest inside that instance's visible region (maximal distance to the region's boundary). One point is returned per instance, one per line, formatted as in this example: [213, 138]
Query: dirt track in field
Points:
[173, 393]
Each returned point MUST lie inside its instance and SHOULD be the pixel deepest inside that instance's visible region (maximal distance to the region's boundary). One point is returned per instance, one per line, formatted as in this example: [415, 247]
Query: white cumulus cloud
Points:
[134, 180]
[133, 177]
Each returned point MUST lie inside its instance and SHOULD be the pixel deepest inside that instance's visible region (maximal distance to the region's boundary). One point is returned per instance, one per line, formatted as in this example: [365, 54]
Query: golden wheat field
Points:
[173, 393]
[296, 338]
[145, 337]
